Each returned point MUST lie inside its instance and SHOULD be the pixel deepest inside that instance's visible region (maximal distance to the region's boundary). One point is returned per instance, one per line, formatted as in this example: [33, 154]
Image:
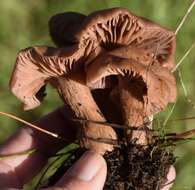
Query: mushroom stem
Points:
[132, 105]
[80, 103]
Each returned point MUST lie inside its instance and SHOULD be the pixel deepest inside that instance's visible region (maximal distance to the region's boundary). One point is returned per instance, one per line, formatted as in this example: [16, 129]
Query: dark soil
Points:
[131, 167]
[137, 167]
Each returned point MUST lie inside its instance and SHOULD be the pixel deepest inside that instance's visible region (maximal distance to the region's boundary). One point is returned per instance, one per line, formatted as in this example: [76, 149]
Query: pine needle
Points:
[30, 124]
[185, 17]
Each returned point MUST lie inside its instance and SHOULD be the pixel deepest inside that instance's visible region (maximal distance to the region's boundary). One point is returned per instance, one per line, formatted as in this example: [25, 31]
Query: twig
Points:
[185, 17]
[185, 135]
[106, 141]
[114, 125]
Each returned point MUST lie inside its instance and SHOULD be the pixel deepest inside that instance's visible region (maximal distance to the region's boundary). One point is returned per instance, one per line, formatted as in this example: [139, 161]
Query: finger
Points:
[89, 173]
[170, 178]
[26, 166]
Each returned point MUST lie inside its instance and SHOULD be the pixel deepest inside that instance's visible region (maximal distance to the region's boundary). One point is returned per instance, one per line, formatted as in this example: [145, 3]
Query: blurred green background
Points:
[24, 24]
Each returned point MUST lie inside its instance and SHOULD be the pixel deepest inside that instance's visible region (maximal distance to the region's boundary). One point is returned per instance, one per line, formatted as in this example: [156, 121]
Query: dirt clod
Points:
[137, 167]
[131, 166]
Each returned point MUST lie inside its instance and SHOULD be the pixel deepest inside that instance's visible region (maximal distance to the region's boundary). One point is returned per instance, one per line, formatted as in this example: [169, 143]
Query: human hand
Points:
[88, 173]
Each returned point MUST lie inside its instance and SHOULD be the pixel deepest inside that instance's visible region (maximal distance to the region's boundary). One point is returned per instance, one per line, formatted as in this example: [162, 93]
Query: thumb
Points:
[88, 173]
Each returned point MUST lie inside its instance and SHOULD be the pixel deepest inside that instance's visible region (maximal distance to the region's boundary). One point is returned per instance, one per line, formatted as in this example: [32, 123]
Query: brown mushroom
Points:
[99, 32]
[107, 42]
[140, 92]
[145, 62]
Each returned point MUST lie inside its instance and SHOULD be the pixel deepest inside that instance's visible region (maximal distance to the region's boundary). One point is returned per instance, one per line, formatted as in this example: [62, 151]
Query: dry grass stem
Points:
[30, 124]
[116, 126]
[183, 58]
[185, 17]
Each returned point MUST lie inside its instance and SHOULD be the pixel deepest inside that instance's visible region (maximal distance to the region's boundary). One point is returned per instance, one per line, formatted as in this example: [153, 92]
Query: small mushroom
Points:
[91, 50]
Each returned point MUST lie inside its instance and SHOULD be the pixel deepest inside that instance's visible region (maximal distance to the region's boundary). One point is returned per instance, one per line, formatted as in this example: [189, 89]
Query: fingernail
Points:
[87, 166]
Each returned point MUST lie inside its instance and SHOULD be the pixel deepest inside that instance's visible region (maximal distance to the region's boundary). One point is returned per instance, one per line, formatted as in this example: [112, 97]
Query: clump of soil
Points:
[136, 167]
[131, 166]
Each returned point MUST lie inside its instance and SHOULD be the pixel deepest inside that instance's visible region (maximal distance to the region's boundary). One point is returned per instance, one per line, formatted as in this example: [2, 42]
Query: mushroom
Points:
[91, 50]
[80, 104]
[143, 64]
[140, 92]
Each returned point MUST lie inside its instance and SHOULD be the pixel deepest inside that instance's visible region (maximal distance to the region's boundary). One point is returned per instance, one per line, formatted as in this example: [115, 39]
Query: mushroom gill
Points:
[36, 66]
[87, 38]
[159, 83]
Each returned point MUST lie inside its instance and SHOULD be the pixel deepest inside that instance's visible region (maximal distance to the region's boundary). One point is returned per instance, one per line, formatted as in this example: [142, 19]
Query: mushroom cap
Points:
[100, 32]
[159, 82]
[33, 69]
[118, 27]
